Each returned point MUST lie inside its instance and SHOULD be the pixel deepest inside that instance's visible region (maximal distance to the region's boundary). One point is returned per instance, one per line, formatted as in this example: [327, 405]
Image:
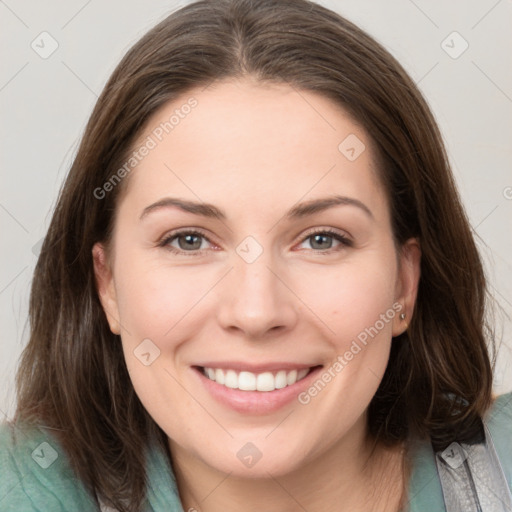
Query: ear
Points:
[106, 287]
[407, 284]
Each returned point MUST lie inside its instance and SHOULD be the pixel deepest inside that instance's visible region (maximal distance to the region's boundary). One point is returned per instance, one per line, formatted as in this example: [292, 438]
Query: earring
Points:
[402, 317]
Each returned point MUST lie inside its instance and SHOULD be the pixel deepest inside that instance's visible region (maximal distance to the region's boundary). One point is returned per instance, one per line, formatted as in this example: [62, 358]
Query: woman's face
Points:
[292, 266]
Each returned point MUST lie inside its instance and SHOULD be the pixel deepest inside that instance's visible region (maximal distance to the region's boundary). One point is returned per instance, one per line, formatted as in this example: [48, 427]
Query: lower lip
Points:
[256, 402]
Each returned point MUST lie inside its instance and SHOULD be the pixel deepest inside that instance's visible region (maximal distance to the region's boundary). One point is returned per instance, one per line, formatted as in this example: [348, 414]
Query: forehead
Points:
[255, 143]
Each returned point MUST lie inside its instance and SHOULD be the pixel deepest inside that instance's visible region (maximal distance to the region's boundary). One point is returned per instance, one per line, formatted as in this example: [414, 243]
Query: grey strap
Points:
[472, 478]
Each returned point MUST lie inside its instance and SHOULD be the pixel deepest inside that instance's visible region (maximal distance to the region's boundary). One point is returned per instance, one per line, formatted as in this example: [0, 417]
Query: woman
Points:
[259, 289]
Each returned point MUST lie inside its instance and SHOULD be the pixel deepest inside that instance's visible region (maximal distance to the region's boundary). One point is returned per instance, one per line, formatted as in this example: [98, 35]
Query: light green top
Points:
[35, 474]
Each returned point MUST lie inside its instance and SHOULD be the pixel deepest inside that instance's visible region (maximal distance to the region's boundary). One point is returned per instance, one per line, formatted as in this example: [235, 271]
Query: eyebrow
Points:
[301, 210]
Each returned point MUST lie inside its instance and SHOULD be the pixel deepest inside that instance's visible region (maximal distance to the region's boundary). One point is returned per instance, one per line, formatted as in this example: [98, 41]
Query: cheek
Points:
[356, 305]
[355, 302]
[350, 298]
[158, 307]
[155, 299]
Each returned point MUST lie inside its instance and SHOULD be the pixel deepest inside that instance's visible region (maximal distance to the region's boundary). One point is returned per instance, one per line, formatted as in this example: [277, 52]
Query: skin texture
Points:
[255, 150]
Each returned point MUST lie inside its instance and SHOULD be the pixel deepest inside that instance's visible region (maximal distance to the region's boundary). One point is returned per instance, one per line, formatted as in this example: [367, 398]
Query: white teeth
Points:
[265, 382]
[281, 380]
[248, 381]
[219, 376]
[291, 378]
[302, 373]
[231, 379]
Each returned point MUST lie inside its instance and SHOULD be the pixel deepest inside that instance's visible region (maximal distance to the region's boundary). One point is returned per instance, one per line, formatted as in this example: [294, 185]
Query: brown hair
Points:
[72, 375]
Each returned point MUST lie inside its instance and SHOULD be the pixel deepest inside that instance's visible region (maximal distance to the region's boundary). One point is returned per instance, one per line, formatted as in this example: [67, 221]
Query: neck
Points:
[344, 477]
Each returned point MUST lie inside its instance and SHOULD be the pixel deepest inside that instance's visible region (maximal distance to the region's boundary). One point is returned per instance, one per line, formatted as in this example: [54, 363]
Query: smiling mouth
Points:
[249, 381]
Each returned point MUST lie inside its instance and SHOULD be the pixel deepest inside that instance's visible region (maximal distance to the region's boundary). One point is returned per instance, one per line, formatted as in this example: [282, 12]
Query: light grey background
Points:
[45, 103]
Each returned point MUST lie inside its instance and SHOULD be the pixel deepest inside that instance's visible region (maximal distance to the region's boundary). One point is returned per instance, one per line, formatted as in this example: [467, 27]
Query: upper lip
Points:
[239, 366]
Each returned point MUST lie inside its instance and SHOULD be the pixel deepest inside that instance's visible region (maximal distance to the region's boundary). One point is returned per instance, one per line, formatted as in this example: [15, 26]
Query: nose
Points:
[256, 299]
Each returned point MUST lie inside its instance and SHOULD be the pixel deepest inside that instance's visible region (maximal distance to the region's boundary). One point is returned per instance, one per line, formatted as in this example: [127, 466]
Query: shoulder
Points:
[499, 422]
[500, 412]
[36, 474]
[425, 491]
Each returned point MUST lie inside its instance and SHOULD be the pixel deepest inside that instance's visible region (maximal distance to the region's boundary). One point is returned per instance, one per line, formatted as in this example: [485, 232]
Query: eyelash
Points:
[344, 241]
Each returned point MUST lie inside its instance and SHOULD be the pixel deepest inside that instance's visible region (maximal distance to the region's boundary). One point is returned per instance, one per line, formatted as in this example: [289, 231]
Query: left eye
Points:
[323, 240]
[188, 241]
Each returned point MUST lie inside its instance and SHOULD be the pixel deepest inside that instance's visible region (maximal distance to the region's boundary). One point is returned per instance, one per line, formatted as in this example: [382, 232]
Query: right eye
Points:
[189, 242]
